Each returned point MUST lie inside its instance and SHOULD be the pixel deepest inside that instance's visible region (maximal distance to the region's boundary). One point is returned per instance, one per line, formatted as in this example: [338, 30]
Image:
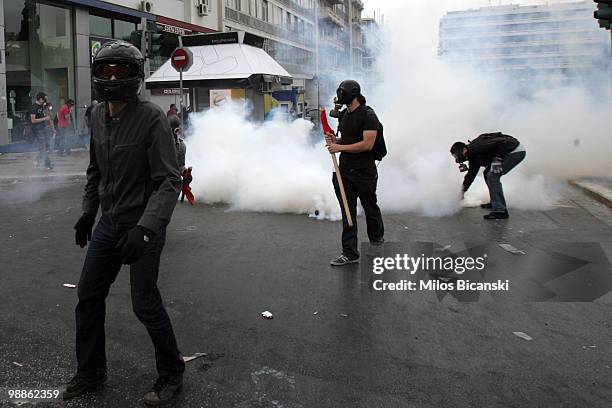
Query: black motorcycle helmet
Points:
[123, 61]
[347, 91]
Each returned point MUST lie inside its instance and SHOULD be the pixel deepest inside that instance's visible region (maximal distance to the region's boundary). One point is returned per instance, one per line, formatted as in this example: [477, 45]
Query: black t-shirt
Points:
[39, 112]
[352, 126]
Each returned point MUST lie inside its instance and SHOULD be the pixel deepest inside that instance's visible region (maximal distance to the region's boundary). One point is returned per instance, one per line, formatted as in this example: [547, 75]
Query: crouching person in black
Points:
[359, 127]
[133, 176]
[498, 154]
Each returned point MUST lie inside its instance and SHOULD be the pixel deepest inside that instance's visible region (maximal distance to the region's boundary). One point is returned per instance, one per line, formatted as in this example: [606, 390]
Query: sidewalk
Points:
[598, 188]
[20, 167]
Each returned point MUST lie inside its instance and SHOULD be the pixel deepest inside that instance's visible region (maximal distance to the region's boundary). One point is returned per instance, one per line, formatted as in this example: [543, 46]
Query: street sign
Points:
[181, 59]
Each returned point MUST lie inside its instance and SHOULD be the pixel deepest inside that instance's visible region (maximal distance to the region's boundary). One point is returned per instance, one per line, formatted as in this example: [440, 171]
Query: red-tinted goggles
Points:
[119, 71]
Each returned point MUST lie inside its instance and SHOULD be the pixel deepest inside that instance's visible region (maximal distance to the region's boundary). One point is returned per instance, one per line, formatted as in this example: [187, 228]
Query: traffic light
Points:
[603, 14]
[154, 38]
[135, 38]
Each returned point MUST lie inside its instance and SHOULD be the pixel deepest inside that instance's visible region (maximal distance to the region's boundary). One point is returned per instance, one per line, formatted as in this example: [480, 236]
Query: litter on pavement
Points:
[343, 315]
[193, 357]
[17, 364]
[69, 285]
[512, 249]
[267, 315]
[523, 336]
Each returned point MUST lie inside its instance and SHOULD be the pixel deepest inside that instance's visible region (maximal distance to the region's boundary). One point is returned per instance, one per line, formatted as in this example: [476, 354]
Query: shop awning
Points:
[223, 62]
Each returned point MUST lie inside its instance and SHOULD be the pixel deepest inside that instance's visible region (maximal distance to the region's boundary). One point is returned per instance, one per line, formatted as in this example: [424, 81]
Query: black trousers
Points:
[102, 264]
[359, 183]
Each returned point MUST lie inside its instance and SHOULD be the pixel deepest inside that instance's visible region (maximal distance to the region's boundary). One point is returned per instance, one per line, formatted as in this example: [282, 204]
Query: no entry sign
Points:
[181, 59]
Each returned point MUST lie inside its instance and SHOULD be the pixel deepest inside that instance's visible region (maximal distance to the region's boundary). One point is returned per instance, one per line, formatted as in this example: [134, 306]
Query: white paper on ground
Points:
[523, 336]
[193, 357]
[512, 249]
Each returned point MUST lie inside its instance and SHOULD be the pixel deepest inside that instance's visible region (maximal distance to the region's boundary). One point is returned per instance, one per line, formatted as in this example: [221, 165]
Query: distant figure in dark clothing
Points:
[88, 113]
[40, 117]
[498, 154]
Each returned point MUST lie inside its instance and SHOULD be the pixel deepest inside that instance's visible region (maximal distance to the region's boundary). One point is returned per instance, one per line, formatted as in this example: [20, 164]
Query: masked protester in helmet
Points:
[498, 154]
[134, 179]
[359, 127]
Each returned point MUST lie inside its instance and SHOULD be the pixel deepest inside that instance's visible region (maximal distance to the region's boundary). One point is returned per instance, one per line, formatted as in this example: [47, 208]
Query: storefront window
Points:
[123, 29]
[100, 26]
[39, 57]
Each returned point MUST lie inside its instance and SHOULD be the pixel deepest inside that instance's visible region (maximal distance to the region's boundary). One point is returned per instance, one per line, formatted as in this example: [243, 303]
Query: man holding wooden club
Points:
[359, 128]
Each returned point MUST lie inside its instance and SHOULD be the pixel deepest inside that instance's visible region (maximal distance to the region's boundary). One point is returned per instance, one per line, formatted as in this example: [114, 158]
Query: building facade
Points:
[48, 45]
[550, 42]
[372, 43]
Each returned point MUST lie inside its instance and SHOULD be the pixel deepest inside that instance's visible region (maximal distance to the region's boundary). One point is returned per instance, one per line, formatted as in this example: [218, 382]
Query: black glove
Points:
[83, 229]
[132, 244]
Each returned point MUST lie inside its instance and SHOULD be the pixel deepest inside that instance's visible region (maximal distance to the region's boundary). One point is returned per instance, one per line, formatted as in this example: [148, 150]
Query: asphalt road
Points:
[221, 269]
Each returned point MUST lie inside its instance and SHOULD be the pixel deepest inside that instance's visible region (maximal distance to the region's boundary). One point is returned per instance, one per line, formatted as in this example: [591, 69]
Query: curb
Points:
[594, 190]
[51, 178]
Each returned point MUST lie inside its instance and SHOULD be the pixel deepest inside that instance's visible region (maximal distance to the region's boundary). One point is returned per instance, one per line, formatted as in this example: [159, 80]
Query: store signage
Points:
[168, 91]
[174, 30]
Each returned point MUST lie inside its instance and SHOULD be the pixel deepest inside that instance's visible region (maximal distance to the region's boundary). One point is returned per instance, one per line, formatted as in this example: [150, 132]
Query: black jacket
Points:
[482, 151]
[133, 173]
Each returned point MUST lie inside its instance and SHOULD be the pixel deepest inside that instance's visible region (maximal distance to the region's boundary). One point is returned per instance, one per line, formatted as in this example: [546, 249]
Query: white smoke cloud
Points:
[259, 167]
[425, 105]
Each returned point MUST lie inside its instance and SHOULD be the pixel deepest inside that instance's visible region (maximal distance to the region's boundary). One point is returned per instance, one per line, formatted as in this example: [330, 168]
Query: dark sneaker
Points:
[81, 383]
[487, 206]
[343, 260]
[164, 389]
[497, 215]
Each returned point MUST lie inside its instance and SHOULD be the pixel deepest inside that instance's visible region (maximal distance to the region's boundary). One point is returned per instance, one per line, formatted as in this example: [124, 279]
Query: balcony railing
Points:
[252, 22]
[333, 41]
[339, 17]
[296, 7]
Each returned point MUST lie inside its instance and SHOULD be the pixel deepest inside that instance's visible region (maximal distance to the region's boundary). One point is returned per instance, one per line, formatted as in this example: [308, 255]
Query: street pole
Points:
[180, 39]
[317, 52]
[143, 49]
[181, 93]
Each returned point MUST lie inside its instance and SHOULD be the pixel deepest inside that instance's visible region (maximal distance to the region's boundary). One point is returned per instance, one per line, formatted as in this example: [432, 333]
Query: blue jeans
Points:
[102, 264]
[42, 138]
[496, 191]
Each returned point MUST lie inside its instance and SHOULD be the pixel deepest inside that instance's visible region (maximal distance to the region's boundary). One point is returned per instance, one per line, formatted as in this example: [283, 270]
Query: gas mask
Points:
[336, 112]
[459, 156]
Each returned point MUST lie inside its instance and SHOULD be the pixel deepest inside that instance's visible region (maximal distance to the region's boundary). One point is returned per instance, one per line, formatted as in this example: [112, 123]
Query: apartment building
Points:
[542, 42]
